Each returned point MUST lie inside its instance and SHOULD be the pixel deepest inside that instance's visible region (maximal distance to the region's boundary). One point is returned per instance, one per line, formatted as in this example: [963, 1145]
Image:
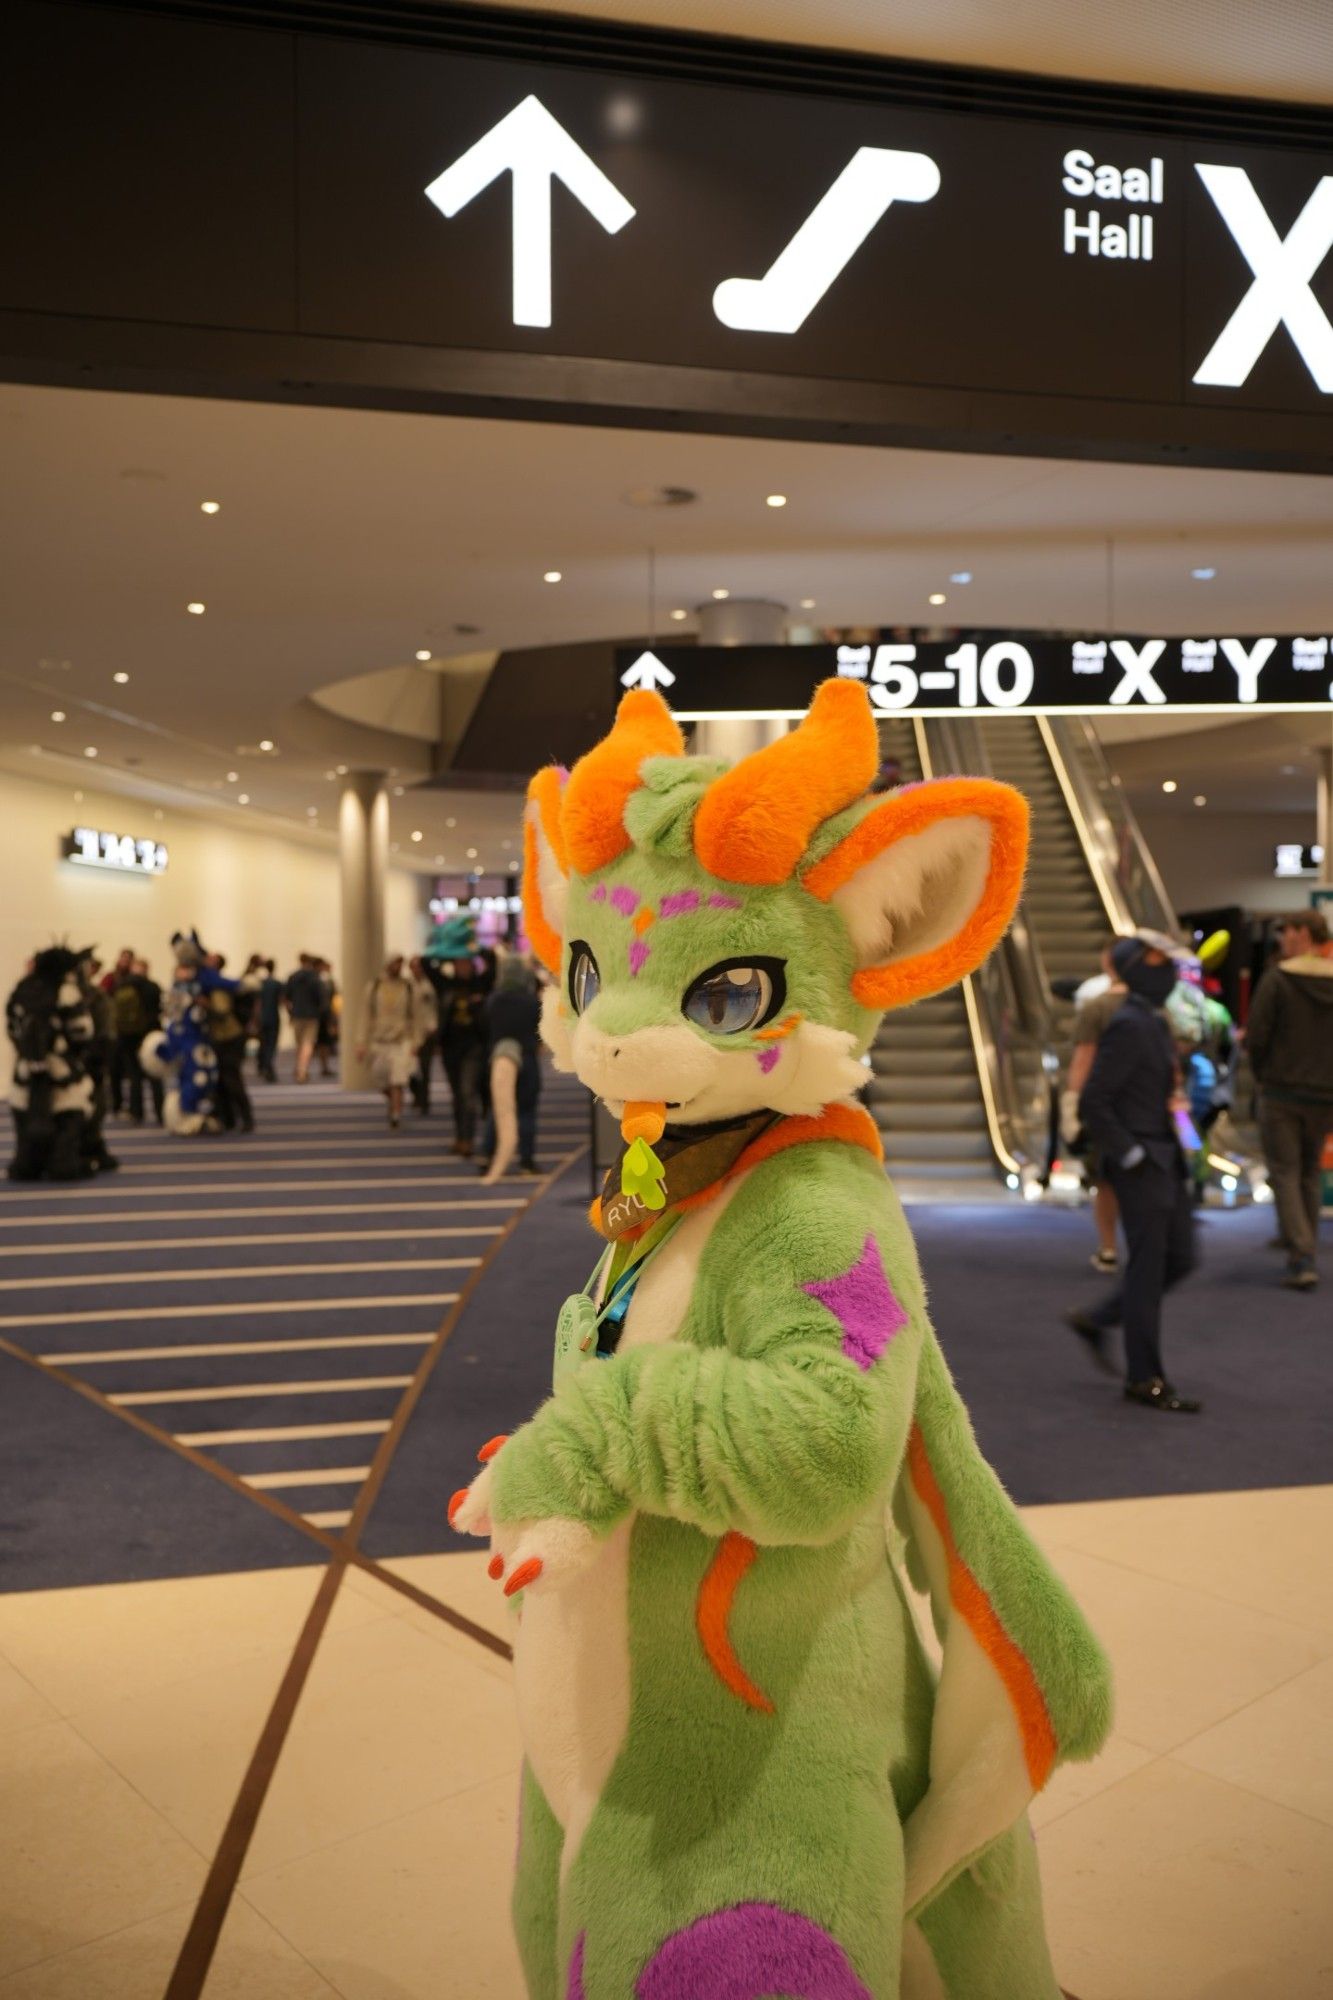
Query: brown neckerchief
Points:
[695, 1157]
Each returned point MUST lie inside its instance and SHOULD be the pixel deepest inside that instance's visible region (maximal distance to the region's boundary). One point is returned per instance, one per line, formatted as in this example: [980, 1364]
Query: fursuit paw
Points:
[542, 1555]
[470, 1508]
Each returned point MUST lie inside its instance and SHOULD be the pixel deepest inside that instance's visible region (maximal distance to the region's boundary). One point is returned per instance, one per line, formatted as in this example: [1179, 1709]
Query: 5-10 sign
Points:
[1003, 675]
[120, 851]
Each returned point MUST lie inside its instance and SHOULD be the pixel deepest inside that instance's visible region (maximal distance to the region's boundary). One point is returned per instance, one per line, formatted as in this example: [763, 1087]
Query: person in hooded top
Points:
[1290, 1040]
[1127, 1108]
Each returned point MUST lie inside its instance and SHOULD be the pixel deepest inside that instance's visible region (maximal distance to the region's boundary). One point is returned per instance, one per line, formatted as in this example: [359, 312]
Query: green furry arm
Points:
[995, 1565]
[770, 1416]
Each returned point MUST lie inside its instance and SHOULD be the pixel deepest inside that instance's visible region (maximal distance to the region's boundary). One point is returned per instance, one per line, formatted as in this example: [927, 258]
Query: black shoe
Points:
[530, 1167]
[1300, 1276]
[105, 1163]
[247, 1125]
[1095, 1339]
[1159, 1395]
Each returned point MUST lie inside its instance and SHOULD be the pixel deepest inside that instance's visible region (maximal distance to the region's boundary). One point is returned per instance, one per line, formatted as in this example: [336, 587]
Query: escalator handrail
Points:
[1106, 827]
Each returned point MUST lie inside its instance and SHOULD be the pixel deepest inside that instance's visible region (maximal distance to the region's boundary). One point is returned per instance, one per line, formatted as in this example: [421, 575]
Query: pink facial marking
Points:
[725, 903]
[680, 905]
[599, 893]
[638, 957]
[625, 900]
[768, 1059]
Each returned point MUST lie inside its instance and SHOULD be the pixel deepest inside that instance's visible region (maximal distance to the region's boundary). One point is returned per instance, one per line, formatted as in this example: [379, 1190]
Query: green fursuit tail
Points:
[782, 1831]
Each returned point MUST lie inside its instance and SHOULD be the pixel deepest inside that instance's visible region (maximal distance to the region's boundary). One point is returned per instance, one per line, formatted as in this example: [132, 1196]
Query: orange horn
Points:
[755, 823]
[592, 812]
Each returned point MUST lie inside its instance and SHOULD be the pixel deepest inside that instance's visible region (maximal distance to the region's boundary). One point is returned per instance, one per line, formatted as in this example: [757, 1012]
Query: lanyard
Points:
[632, 1268]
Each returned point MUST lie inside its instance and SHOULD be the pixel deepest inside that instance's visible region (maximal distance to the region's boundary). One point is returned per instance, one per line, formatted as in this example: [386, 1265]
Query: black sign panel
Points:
[988, 672]
[411, 224]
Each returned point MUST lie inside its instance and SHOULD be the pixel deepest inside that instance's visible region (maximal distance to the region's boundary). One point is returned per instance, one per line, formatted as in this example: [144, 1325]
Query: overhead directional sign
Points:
[441, 223]
[535, 150]
[1003, 673]
[647, 672]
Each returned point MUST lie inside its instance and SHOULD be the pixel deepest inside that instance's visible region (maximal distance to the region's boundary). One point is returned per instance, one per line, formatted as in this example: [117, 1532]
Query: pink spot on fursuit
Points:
[625, 899]
[638, 957]
[725, 903]
[768, 1059]
[864, 1304]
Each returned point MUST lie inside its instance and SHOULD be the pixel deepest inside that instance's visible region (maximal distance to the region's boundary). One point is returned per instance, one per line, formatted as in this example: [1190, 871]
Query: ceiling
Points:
[1280, 48]
[346, 541]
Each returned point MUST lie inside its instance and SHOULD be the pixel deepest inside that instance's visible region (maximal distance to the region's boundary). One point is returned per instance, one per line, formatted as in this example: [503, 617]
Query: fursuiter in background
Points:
[742, 1777]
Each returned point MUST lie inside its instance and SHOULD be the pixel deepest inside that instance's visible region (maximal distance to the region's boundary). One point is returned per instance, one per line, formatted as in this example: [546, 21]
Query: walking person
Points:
[228, 1002]
[150, 1004]
[1126, 1106]
[428, 1033]
[511, 1018]
[1089, 1023]
[268, 1016]
[388, 1038]
[1290, 1040]
[462, 981]
[326, 1038]
[304, 995]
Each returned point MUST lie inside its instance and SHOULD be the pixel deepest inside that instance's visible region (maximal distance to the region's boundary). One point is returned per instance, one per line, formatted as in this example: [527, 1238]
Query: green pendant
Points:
[642, 1174]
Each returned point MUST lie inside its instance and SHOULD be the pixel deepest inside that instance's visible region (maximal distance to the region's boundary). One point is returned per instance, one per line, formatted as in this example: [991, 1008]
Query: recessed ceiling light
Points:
[120, 679]
[266, 743]
[1203, 575]
[233, 777]
[330, 774]
[196, 610]
[472, 854]
[1200, 799]
[312, 812]
[423, 652]
[720, 595]
[776, 500]
[209, 506]
[416, 836]
[398, 791]
[57, 715]
[340, 770]
[937, 597]
[451, 822]
[961, 576]
[242, 798]
[678, 615]
[552, 576]
[807, 604]
[90, 751]
[1169, 785]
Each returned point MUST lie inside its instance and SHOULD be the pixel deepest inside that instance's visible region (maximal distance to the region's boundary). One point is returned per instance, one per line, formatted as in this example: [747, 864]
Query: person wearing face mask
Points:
[1126, 1107]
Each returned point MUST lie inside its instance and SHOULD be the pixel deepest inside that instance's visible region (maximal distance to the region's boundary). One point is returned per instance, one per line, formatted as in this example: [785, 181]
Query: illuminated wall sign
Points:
[663, 240]
[1004, 673]
[118, 851]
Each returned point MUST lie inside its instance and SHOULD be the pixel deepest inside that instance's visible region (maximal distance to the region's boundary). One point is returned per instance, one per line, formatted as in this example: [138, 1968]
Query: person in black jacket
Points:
[511, 1018]
[1126, 1107]
[1289, 1036]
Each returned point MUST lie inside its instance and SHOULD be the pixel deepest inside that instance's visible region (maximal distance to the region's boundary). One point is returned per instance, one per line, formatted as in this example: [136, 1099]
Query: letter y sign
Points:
[1280, 294]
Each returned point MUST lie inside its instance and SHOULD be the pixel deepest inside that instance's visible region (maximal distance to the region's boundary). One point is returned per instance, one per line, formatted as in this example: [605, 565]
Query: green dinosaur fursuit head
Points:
[746, 1775]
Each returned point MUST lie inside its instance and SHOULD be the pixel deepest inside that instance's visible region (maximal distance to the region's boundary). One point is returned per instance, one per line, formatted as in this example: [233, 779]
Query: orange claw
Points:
[526, 1573]
[495, 1568]
[491, 1446]
[456, 1503]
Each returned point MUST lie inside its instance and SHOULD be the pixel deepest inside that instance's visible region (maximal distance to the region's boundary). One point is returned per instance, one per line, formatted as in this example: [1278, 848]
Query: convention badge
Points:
[575, 1335]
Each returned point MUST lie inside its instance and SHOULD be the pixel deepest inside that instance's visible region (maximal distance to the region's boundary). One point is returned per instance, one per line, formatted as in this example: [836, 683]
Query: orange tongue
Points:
[643, 1121]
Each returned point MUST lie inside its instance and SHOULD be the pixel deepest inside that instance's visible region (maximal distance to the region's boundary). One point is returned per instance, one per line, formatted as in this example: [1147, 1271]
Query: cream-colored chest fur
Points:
[571, 1651]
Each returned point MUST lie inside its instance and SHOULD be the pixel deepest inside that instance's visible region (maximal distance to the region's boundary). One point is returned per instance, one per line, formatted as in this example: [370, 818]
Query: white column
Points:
[363, 855]
[738, 621]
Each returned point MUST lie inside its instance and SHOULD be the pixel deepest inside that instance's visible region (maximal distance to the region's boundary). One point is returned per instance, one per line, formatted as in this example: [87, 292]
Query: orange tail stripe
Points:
[712, 1614]
[979, 1615]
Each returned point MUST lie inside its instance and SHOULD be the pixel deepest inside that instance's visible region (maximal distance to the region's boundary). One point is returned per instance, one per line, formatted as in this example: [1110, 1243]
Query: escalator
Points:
[925, 1093]
[1069, 919]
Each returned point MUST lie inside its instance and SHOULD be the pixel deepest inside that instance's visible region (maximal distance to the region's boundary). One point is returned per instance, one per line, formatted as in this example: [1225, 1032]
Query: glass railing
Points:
[1119, 859]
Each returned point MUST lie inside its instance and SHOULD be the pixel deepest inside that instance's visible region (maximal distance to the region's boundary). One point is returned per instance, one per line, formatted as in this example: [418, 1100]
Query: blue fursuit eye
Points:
[735, 997]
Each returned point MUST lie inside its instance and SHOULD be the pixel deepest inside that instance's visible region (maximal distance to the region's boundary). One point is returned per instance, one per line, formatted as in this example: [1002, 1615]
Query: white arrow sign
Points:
[648, 672]
[536, 149]
[826, 242]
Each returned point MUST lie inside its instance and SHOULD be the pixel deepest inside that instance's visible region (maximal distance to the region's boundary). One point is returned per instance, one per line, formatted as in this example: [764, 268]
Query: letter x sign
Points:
[1280, 294]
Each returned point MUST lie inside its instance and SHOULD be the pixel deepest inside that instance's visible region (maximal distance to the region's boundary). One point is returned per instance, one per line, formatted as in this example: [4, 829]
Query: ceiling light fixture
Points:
[451, 822]
[807, 604]
[120, 679]
[233, 777]
[416, 836]
[1200, 799]
[267, 743]
[312, 812]
[57, 715]
[776, 500]
[472, 854]
[340, 770]
[1169, 785]
[423, 652]
[678, 615]
[209, 506]
[961, 576]
[90, 751]
[242, 798]
[1203, 575]
[552, 576]
[398, 791]
[937, 597]
[721, 595]
[196, 610]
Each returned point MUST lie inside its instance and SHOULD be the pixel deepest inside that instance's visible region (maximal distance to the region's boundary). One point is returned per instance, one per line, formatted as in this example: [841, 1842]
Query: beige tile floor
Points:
[1193, 1861]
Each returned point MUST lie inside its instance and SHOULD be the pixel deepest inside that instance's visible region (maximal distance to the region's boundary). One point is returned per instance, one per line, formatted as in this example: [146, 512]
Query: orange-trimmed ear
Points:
[754, 823]
[545, 868]
[593, 813]
[926, 884]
